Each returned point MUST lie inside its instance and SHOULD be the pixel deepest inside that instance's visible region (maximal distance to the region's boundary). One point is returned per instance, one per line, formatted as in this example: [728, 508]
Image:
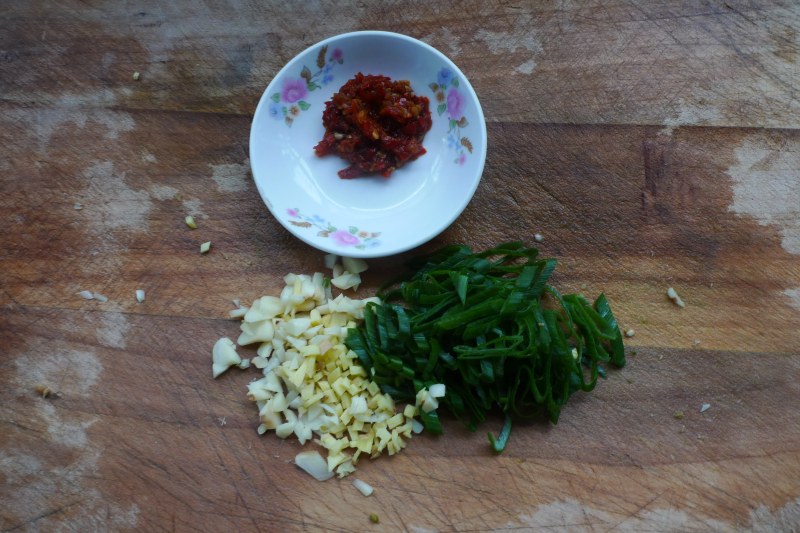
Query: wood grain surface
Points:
[652, 144]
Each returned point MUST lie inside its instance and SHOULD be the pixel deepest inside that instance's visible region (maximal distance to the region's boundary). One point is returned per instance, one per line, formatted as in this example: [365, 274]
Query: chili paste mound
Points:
[376, 124]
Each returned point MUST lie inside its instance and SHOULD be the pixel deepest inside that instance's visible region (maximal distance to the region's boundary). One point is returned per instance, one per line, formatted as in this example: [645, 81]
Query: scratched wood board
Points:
[650, 146]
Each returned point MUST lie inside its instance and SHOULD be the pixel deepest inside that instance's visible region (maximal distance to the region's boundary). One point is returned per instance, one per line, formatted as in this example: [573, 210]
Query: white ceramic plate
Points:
[368, 216]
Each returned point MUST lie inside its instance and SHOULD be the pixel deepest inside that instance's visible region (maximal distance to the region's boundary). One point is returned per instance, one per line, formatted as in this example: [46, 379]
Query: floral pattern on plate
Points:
[452, 101]
[352, 236]
[289, 102]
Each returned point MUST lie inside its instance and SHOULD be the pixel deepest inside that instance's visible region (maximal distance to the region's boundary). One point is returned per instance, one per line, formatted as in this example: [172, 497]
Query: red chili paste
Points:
[376, 124]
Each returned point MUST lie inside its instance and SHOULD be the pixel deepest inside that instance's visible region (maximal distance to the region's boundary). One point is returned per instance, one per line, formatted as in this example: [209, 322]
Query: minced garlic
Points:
[312, 384]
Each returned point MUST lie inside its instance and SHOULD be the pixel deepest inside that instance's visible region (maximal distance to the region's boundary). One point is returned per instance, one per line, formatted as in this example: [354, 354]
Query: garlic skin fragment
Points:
[223, 356]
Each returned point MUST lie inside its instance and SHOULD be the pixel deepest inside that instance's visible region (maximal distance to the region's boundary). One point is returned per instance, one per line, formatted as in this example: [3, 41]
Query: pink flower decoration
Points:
[336, 55]
[292, 213]
[294, 90]
[455, 103]
[344, 238]
[461, 158]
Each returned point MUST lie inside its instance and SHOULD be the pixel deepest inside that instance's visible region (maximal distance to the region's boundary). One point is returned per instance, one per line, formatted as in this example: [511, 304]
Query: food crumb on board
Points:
[205, 247]
[139, 295]
[374, 518]
[222, 420]
[538, 237]
[672, 295]
[679, 415]
[705, 407]
[78, 206]
[136, 76]
[363, 487]
[629, 333]
[43, 390]
[190, 222]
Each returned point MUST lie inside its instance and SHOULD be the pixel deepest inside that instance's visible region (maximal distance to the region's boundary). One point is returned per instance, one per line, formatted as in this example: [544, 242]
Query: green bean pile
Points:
[490, 328]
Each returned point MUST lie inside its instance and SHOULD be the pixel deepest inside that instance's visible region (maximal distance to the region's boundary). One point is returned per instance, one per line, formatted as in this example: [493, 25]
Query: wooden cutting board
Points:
[651, 147]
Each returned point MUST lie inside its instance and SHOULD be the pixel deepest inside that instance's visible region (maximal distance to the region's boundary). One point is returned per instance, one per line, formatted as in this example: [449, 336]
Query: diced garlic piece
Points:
[223, 356]
[277, 404]
[272, 383]
[294, 399]
[264, 308]
[257, 391]
[245, 364]
[347, 280]
[303, 432]
[256, 332]
[238, 313]
[286, 293]
[139, 295]
[358, 405]
[87, 295]
[345, 469]
[395, 421]
[205, 247]
[331, 260]
[320, 295]
[269, 419]
[285, 429]
[265, 349]
[335, 459]
[429, 404]
[99, 297]
[260, 362]
[307, 288]
[354, 265]
[297, 326]
[313, 464]
[437, 390]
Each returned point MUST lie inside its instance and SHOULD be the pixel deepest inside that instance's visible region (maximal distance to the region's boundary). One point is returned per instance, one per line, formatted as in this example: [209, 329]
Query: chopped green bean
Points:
[490, 328]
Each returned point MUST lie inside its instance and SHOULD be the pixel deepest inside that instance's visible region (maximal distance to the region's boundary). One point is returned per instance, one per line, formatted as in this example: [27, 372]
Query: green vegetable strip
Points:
[490, 328]
[500, 444]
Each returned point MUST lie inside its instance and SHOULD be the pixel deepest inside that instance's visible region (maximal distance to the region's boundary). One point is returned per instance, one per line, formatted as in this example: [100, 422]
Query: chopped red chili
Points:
[376, 124]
